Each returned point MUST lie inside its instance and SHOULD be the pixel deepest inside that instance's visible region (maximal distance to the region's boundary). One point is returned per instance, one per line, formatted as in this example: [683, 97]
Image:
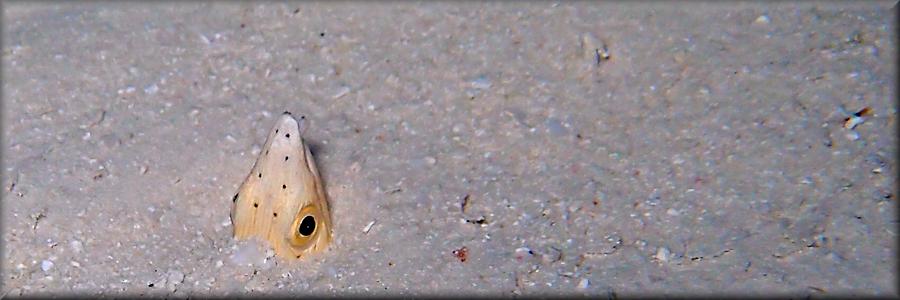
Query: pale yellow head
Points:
[282, 200]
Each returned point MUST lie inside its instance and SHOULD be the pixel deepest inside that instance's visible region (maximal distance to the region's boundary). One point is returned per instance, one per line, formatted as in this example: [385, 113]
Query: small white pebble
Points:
[369, 227]
[481, 83]
[662, 254]
[853, 121]
[75, 264]
[219, 264]
[151, 89]
[46, 265]
[341, 92]
[174, 279]
[763, 19]
[584, 283]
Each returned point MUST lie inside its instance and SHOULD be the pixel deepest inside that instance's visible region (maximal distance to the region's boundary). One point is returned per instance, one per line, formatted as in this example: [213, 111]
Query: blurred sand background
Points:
[609, 149]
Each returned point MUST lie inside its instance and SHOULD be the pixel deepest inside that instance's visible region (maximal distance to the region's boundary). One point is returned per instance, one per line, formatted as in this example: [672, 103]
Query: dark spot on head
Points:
[274, 214]
[283, 186]
[255, 204]
[267, 152]
[235, 197]
[295, 12]
[287, 135]
[276, 130]
[287, 113]
[307, 226]
[285, 158]
[260, 175]
[322, 34]
[298, 256]
[150, 285]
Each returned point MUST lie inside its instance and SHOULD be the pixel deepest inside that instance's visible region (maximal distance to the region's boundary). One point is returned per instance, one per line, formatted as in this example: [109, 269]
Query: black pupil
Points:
[307, 226]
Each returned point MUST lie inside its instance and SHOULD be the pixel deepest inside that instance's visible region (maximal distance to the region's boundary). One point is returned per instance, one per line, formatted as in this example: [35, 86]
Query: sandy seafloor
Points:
[705, 155]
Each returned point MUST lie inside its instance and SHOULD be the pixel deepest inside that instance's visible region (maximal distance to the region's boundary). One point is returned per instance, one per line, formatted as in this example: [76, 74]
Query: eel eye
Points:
[307, 226]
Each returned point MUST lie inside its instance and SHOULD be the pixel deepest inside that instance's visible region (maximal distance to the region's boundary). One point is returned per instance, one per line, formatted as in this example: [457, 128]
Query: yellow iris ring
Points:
[297, 240]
